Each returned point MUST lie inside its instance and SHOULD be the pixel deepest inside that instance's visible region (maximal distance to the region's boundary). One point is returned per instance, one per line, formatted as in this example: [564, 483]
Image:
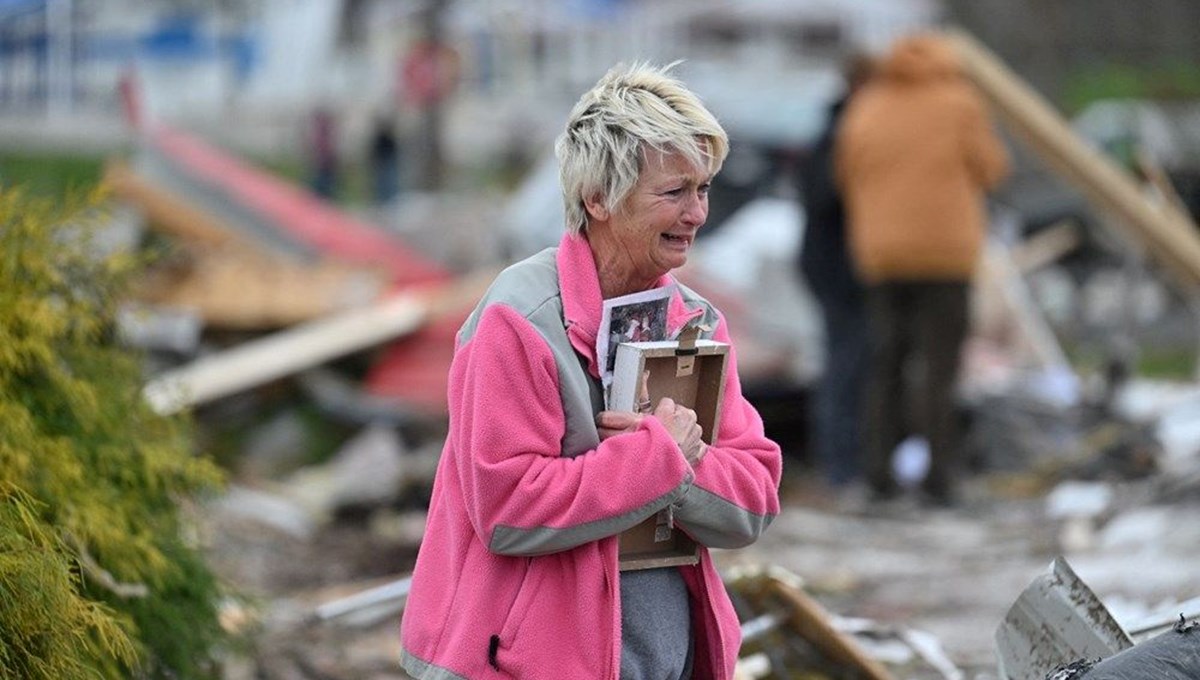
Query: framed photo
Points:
[637, 317]
[691, 372]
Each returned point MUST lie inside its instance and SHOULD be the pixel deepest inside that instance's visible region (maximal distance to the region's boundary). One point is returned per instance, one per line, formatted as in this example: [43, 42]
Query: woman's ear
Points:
[596, 208]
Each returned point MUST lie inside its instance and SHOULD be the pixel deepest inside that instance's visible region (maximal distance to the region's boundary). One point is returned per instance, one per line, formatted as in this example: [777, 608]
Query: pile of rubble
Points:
[270, 291]
[320, 554]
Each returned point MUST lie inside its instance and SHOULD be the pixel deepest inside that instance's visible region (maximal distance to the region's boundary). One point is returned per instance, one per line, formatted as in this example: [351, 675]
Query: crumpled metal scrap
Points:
[1072, 671]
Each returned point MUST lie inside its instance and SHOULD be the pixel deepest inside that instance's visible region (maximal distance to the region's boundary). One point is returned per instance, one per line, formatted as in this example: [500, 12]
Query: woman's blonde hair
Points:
[631, 109]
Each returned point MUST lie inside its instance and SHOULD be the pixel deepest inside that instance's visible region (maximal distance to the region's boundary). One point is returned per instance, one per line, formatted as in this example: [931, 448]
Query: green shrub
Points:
[96, 578]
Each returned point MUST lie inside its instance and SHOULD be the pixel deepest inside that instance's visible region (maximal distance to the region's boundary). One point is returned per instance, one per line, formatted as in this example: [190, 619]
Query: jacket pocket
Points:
[521, 604]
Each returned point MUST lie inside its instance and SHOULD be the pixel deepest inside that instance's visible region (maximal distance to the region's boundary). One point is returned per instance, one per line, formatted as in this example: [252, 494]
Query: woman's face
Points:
[652, 232]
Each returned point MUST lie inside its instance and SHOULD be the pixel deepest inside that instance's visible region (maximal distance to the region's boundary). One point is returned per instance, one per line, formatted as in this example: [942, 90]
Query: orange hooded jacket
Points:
[915, 154]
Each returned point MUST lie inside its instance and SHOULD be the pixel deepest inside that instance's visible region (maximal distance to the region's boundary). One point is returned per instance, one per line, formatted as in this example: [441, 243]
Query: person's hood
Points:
[920, 58]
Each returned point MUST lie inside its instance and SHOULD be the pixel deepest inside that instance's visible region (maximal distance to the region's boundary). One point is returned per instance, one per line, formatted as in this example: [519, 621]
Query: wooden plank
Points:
[1158, 179]
[1000, 277]
[1048, 245]
[1168, 235]
[280, 354]
[310, 344]
[248, 290]
[811, 621]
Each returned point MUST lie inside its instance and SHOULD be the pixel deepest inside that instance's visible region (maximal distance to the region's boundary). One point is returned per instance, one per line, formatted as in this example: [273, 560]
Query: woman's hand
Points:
[679, 421]
[611, 423]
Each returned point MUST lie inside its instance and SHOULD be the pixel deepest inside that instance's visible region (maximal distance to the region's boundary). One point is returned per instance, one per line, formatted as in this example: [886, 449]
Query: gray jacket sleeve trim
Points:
[426, 671]
[530, 542]
[716, 523]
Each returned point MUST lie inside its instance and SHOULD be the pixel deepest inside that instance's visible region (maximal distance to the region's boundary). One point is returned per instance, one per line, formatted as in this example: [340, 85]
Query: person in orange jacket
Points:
[915, 157]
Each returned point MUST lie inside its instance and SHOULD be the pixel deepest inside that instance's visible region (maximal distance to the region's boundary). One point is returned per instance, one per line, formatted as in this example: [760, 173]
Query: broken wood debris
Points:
[229, 279]
[267, 358]
[793, 630]
[306, 345]
[1048, 245]
[1001, 285]
[791, 613]
[369, 606]
[1168, 234]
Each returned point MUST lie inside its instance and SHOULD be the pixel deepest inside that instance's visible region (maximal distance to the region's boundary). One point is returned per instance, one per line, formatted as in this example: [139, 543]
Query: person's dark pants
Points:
[917, 332]
[837, 411]
[324, 181]
[386, 175]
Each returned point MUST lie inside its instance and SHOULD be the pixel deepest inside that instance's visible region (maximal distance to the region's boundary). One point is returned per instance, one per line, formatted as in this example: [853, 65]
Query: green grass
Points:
[1167, 363]
[1167, 81]
[1150, 361]
[51, 174]
[353, 181]
[64, 174]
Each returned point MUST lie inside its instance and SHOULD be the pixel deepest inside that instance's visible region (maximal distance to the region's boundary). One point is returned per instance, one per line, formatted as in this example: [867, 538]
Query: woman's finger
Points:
[618, 420]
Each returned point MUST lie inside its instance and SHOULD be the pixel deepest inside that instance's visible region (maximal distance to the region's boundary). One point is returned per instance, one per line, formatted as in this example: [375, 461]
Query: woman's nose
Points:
[696, 211]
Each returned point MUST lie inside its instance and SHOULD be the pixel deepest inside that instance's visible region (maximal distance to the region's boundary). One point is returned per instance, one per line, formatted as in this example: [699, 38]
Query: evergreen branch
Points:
[103, 577]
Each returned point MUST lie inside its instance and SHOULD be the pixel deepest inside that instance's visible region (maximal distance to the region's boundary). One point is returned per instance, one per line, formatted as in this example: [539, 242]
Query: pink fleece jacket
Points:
[517, 574]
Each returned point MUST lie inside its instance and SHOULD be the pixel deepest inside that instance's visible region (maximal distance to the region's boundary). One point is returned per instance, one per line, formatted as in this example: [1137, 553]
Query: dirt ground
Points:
[950, 574]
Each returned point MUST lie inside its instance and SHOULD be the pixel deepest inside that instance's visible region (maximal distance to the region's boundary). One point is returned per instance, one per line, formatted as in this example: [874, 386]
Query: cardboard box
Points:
[691, 372]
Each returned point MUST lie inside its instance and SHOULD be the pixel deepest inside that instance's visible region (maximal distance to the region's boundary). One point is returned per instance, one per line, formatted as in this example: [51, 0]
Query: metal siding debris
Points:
[1056, 620]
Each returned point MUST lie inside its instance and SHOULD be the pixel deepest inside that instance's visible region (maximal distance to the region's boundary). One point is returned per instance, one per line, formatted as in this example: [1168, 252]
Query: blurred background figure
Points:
[430, 73]
[914, 157]
[836, 406]
[384, 158]
[323, 153]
